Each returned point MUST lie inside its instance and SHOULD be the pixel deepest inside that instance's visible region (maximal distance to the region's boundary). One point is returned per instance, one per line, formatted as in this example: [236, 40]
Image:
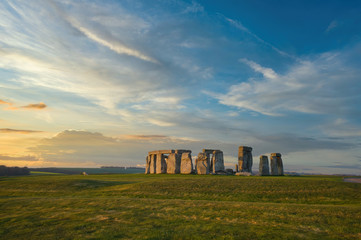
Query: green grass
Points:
[42, 173]
[138, 206]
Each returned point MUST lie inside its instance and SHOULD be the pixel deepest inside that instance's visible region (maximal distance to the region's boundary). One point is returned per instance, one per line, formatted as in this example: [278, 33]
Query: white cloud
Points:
[267, 72]
[237, 24]
[112, 44]
[194, 8]
[317, 86]
[240, 26]
[334, 24]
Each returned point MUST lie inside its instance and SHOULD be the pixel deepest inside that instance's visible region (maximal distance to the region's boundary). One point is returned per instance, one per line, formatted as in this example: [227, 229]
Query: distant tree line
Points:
[13, 171]
[112, 167]
[58, 170]
[122, 167]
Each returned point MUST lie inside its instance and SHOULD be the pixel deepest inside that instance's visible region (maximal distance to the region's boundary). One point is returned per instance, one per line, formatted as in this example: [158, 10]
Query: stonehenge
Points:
[210, 161]
[263, 165]
[245, 160]
[147, 165]
[276, 164]
[186, 166]
[216, 161]
[165, 161]
[202, 163]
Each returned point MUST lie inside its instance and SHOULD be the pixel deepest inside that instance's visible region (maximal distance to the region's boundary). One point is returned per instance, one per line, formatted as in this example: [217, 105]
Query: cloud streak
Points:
[113, 44]
[20, 131]
[19, 158]
[4, 102]
[35, 106]
[266, 72]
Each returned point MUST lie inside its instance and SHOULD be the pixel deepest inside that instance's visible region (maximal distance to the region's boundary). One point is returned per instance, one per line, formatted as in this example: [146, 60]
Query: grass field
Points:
[138, 206]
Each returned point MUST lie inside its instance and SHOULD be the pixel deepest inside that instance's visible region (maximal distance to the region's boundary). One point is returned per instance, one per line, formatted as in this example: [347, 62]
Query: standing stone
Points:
[152, 164]
[186, 163]
[171, 163]
[274, 165]
[217, 161]
[208, 152]
[202, 164]
[279, 164]
[178, 161]
[161, 166]
[147, 164]
[263, 165]
[245, 160]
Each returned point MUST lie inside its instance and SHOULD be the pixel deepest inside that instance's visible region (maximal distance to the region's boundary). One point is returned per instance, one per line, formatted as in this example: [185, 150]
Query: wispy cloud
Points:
[194, 8]
[267, 72]
[112, 44]
[146, 137]
[4, 102]
[35, 106]
[316, 86]
[18, 158]
[237, 24]
[21, 131]
[333, 25]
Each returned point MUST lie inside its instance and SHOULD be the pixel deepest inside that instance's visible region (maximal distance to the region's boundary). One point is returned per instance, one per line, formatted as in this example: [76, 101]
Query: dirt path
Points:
[354, 180]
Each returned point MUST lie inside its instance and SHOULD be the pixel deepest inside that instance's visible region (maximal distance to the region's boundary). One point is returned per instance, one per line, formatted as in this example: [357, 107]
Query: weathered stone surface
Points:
[172, 163]
[245, 160]
[186, 163]
[263, 165]
[161, 166]
[152, 164]
[180, 151]
[278, 162]
[202, 164]
[147, 165]
[161, 152]
[236, 167]
[217, 161]
[280, 166]
[243, 174]
[229, 171]
[274, 164]
[208, 152]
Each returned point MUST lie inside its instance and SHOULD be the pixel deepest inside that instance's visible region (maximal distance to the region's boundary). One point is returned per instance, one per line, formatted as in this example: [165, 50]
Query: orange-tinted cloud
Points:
[35, 106]
[11, 108]
[4, 102]
[9, 130]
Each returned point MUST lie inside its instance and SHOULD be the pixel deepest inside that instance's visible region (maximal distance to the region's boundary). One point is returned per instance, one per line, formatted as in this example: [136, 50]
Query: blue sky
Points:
[91, 83]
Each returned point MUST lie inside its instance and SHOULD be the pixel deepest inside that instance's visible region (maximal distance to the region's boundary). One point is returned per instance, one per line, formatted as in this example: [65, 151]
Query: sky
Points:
[97, 83]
